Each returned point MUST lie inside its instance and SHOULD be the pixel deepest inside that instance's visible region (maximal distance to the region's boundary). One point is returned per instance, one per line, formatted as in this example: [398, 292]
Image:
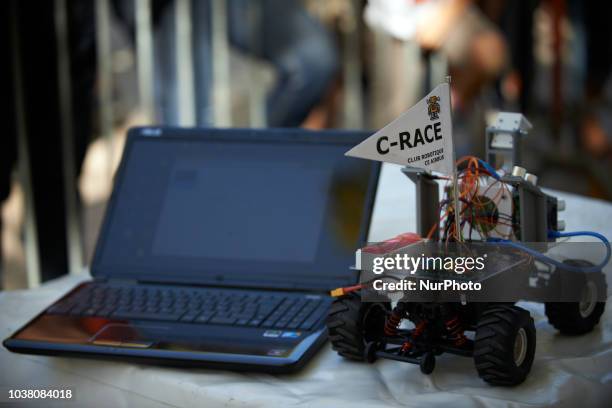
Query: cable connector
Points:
[550, 261]
[490, 169]
[337, 292]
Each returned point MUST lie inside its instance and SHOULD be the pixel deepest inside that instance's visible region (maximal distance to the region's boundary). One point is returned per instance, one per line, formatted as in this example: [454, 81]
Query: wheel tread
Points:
[565, 316]
[344, 326]
[493, 348]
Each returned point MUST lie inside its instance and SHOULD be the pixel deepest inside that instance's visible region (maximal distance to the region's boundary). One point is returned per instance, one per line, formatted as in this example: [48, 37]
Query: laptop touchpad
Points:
[125, 335]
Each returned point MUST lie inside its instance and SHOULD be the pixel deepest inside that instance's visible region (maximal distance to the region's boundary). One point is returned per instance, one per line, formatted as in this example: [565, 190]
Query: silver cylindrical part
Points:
[560, 225]
[531, 178]
[518, 171]
[560, 205]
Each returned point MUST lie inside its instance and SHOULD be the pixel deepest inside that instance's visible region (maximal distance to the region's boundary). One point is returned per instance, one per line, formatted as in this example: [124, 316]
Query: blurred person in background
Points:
[474, 48]
[595, 19]
[299, 48]
[584, 27]
[280, 32]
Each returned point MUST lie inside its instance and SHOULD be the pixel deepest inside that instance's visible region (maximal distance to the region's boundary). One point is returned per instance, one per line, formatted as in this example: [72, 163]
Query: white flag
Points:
[421, 137]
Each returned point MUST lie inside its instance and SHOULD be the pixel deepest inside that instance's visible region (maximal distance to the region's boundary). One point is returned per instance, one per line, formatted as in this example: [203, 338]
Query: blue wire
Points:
[551, 261]
[489, 168]
[554, 234]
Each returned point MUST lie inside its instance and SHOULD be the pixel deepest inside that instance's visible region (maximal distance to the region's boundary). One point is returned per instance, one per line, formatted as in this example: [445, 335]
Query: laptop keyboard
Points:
[196, 306]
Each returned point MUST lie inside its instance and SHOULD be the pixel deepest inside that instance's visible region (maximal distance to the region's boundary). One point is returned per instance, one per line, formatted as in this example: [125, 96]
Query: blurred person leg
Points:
[299, 47]
[476, 55]
[476, 52]
[301, 51]
[516, 21]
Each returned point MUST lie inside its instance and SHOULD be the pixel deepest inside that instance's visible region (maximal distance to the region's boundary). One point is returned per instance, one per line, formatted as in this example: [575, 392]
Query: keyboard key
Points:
[77, 310]
[90, 312]
[60, 308]
[147, 316]
[204, 317]
[198, 306]
[222, 320]
[314, 317]
[293, 325]
[189, 317]
[244, 315]
[105, 312]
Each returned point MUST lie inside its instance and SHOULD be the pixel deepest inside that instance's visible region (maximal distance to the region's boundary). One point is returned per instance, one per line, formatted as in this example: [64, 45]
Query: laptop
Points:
[217, 249]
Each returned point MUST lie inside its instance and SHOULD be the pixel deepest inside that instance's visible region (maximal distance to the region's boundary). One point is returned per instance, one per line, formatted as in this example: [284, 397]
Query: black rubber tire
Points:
[351, 324]
[494, 345]
[566, 317]
[369, 353]
[428, 363]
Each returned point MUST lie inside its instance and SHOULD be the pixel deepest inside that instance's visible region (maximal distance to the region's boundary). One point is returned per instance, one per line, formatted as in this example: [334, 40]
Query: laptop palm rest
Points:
[125, 335]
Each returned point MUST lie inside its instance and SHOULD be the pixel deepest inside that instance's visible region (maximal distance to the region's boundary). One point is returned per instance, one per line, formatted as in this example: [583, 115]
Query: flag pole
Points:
[455, 178]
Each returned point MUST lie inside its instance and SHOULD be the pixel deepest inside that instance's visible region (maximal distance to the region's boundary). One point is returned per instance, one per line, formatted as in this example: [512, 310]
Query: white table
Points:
[567, 371]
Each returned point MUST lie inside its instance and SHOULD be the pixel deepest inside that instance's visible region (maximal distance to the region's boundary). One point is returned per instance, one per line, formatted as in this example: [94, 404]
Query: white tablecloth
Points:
[568, 371]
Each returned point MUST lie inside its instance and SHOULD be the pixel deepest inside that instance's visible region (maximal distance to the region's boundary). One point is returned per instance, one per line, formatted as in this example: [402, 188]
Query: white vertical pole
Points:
[184, 63]
[73, 224]
[353, 97]
[144, 55]
[222, 115]
[455, 178]
[32, 259]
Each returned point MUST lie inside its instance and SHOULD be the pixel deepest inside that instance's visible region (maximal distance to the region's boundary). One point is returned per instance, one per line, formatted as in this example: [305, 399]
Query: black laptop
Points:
[218, 248]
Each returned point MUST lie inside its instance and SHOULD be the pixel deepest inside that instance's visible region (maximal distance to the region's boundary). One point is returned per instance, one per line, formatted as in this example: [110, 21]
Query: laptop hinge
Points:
[122, 281]
[310, 290]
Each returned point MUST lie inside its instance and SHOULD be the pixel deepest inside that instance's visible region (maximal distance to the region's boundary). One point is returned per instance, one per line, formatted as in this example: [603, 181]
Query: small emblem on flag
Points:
[433, 107]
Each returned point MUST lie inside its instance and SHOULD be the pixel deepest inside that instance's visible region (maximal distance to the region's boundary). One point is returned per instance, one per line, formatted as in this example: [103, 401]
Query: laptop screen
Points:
[286, 209]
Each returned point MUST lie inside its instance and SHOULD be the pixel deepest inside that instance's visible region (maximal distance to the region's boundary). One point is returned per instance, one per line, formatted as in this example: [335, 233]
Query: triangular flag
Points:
[421, 137]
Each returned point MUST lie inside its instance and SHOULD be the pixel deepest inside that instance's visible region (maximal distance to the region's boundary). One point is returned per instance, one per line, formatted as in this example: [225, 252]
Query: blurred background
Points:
[78, 73]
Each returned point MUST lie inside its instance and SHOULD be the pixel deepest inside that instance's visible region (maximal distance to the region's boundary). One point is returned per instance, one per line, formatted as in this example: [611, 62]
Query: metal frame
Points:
[427, 200]
[514, 124]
